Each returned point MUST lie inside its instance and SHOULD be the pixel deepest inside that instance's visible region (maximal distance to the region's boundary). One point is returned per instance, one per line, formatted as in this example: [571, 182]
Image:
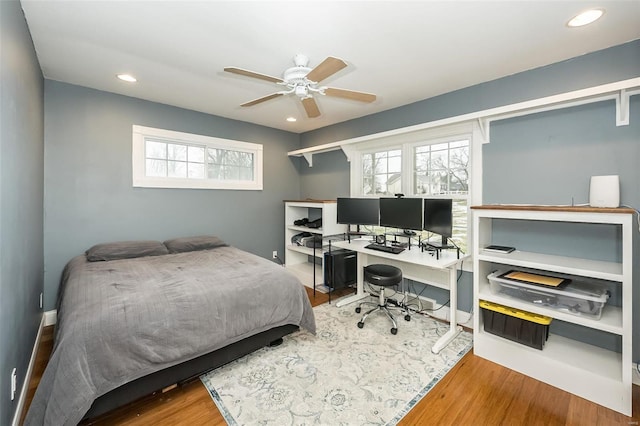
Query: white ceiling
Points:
[401, 51]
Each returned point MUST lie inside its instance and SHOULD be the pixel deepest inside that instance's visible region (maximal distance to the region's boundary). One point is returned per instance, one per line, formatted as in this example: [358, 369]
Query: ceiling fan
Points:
[304, 83]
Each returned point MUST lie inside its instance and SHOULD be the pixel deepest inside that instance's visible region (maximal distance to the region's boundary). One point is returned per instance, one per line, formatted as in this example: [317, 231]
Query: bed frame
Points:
[154, 382]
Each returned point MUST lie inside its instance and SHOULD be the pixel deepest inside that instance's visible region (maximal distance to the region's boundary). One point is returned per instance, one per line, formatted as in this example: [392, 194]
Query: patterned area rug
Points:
[344, 375]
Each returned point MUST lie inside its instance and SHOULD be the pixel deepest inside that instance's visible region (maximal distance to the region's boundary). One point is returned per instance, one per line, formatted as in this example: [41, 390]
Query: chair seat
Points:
[382, 275]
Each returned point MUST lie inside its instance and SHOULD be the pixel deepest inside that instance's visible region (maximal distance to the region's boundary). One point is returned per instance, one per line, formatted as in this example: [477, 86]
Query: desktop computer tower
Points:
[340, 268]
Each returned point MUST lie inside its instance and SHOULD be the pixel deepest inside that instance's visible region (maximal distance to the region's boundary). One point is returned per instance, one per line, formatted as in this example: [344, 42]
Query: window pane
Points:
[232, 173]
[395, 164]
[367, 187]
[195, 170]
[156, 149]
[381, 165]
[439, 146]
[380, 184]
[156, 168]
[439, 159]
[246, 159]
[246, 173]
[367, 162]
[214, 171]
[196, 154]
[177, 169]
[422, 162]
[213, 156]
[395, 153]
[460, 219]
[176, 152]
[459, 180]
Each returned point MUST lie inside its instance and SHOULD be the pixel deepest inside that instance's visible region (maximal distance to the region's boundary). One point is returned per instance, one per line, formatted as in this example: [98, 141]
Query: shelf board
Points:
[564, 352]
[611, 271]
[610, 321]
[305, 229]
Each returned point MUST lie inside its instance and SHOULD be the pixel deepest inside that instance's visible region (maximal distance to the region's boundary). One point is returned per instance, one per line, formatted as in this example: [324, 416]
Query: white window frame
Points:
[140, 179]
[407, 142]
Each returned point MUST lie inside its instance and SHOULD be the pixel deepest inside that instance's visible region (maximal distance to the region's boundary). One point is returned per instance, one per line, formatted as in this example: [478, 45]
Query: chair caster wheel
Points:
[358, 310]
[394, 331]
[407, 318]
[360, 324]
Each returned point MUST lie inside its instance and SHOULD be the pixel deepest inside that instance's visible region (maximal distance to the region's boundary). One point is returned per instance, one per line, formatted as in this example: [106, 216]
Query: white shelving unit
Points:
[599, 375]
[297, 258]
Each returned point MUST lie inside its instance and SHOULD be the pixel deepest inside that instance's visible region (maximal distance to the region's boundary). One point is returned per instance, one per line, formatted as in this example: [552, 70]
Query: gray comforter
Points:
[123, 319]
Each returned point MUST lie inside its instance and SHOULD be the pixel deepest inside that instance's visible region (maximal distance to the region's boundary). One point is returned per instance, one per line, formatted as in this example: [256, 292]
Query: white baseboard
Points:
[27, 376]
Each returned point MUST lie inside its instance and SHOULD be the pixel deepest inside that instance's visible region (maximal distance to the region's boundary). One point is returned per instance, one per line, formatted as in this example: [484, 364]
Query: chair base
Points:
[384, 307]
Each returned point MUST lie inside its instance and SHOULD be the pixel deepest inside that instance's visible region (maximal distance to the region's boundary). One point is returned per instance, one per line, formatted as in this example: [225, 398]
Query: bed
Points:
[134, 317]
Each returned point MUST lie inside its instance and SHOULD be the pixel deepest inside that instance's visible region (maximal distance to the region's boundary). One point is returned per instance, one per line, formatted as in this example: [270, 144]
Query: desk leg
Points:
[454, 329]
[360, 293]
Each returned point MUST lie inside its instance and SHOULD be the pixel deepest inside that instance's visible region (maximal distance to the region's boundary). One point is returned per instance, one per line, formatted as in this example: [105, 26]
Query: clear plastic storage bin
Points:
[573, 298]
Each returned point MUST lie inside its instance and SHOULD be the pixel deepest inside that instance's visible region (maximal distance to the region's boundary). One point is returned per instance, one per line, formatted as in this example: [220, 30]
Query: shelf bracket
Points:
[348, 151]
[309, 157]
[483, 125]
[622, 108]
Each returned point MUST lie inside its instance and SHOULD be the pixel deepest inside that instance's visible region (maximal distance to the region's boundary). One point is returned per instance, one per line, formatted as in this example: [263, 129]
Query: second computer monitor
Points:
[402, 213]
[438, 217]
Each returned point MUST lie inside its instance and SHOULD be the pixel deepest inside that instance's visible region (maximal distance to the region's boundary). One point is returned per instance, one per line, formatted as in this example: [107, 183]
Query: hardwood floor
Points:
[475, 392]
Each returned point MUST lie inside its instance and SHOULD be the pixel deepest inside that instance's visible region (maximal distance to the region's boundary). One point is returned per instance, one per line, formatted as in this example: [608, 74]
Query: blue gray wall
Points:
[89, 196]
[548, 157]
[21, 189]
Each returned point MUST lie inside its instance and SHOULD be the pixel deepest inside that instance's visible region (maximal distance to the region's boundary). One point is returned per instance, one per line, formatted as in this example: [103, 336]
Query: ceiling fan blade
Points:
[350, 94]
[252, 74]
[326, 68]
[262, 99]
[311, 107]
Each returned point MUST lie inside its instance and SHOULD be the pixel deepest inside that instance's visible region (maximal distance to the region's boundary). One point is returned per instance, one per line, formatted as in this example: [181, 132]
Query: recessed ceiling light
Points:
[586, 18]
[127, 77]
[291, 119]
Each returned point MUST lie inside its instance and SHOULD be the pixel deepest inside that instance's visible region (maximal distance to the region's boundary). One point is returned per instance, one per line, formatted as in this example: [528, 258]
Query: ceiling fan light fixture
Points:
[585, 18]
[302, 91]
[127, 77]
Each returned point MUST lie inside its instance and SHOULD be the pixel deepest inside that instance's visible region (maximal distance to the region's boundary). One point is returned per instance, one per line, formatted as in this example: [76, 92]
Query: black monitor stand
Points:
[354, 233]
[438, 247]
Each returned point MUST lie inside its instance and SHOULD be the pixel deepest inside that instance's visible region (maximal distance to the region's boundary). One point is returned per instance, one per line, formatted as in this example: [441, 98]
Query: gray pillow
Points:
[125, 250]
[203, 242]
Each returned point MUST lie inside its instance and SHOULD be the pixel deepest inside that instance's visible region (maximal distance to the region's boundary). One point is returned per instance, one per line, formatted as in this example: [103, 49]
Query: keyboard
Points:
[386, 249]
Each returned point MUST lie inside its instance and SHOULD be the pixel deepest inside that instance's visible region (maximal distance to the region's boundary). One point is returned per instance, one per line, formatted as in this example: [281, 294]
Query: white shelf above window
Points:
[619, 91]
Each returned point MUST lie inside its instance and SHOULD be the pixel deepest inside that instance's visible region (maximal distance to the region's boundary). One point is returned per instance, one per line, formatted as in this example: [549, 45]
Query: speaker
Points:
[340, 268]
[604, 191]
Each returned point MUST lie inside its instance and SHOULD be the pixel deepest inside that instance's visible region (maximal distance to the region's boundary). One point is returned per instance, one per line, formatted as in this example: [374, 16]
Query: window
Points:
[432, 164]
[441, 169]
[168, 159]
[382, 172]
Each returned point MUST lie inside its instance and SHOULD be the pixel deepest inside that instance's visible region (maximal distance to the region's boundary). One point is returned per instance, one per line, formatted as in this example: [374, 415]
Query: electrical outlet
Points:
[274, 255]
[13, 384]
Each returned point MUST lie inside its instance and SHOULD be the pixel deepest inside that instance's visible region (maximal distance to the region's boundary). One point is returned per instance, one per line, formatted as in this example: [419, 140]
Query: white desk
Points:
[417, 266]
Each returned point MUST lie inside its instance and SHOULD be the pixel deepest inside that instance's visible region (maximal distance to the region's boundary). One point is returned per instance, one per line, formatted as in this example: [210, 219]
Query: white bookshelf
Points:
[599, 375]
[297, 258]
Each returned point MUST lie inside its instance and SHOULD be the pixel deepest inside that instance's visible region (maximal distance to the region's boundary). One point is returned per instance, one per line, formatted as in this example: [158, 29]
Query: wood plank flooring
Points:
[475, 392]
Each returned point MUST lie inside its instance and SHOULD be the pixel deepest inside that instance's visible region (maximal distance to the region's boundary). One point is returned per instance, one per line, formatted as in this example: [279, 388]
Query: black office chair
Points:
[382, 276]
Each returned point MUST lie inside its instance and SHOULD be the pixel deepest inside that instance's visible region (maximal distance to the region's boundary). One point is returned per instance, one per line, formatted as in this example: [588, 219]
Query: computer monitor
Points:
[403, 213]
[358, 211]
[438, 217]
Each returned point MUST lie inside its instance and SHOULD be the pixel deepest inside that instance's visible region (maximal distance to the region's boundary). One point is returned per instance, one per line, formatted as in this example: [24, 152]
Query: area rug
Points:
[343, 375]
